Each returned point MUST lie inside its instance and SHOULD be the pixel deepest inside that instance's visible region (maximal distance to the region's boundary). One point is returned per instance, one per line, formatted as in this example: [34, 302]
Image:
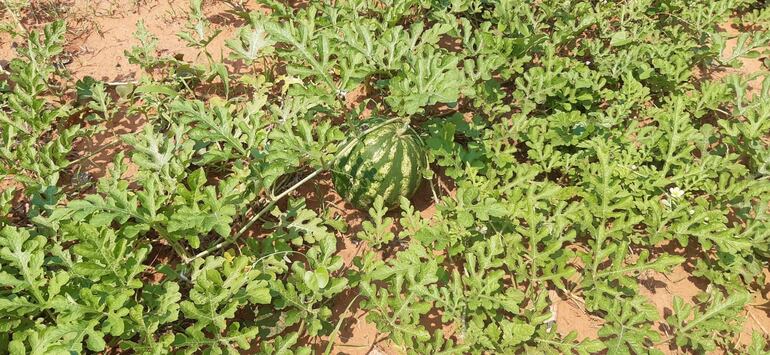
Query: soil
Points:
[100, 32]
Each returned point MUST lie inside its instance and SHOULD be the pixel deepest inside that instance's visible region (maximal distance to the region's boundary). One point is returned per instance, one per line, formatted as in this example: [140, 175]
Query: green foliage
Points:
[220, 288]
[576, 150]
[250, 44]
[28, 118]
[377, 231]
[695, 328]
[628, 327]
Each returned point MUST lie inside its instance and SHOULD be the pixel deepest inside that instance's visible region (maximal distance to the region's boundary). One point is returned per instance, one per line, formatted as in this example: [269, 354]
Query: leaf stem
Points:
[333, 336]
[256, 217]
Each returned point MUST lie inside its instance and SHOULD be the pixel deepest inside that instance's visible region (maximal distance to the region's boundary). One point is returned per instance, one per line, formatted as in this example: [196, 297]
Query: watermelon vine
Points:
[453, 175]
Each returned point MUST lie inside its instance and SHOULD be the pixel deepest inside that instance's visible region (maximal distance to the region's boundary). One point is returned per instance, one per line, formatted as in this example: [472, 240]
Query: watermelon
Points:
[387, 161]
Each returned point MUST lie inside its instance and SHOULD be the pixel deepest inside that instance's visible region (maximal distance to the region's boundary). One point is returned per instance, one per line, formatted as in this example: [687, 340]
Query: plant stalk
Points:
[283, 194]
[333, 336]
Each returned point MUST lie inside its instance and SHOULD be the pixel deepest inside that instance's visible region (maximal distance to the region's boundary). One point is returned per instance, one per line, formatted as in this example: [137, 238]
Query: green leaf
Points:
[694, 328]
[250, 44]
[620, 38]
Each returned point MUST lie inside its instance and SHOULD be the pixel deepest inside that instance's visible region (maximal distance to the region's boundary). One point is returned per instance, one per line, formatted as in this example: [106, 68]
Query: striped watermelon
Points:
[386, 162]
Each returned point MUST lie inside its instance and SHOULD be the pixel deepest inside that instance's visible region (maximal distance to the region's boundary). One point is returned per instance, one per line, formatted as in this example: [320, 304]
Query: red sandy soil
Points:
[102, 30]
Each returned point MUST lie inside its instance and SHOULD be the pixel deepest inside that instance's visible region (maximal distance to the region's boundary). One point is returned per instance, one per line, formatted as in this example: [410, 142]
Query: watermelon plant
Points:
[566, 151]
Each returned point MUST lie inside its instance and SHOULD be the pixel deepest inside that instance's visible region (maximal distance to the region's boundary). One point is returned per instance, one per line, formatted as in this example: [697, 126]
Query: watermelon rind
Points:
[386, 162]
